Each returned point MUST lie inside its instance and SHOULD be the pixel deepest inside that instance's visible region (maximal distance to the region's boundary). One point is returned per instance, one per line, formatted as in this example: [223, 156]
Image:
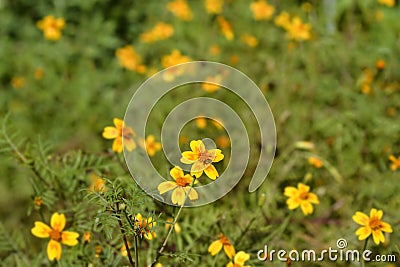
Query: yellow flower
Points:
[17, 82]
[37, 202]
[56, 235]
[151, 145]
[98, 183]
[395, 162]
[174, 58]
[302, 197]
[98, 251]
[180, 9]
[380, 64]
[225, 27]
[214, 6]
[145, 226]
[202, 159]
[118, 132]
[160, 31]
[123, 250]
[181, 186]
[214, 50]
[240, 258]
[223, 141]
[249, 40]
[307, 7]
[316, 162]
[389, 3]
[372, 225]
[86, 236]
[262, 10]
[129, 59]
[158, 265]
[224, 242]
[177, 228]
[283, 20]
[299, 31]
[211, 84]
[38, 74]
[201, 122]
[51, 27]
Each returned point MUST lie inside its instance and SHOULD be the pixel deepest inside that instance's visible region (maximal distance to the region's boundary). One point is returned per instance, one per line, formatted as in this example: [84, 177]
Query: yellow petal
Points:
[230, 264]
[178, 196]
[57, 221]
[313, 198]
[190, 156]
[378, 236]
[229, 251]
[129, 143]
[197, 146]
[69, 238]
[197, 174]
[363, 232]
[218, 156]
[293, 203]
[306, 207]
[186, 161]
[54, 250]
[110, 132]
[385, 227]
[118, 123]
[290, 191]
[41, 230]
[241, 257]
[117, 145]
[166, 186]
[376, 213]
[148, 235]
[215, 247]
[303, 188]
[176, 172]
[192, 193]
[211, 172]
[361, 218]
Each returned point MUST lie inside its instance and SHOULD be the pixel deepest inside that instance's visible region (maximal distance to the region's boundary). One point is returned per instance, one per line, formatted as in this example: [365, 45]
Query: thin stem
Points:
[364, 248]
[243, 233]
[135, 238]
[121, 227]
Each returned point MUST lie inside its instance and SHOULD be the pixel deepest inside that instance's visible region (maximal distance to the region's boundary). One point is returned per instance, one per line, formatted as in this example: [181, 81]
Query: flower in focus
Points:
[262, 10]
[98, 183]
[371, 225]
[160, 31]
[17, 82]
[145, 226]
[202, 159]
[214, 6]
[177, 227]
[298, 30]
[51, 27]
[181, 186]
[395, 162]
[240, 258]
[389, 3]
[302, 197]
[316, 162]
[151, 145]
[38, 74]
[118, 132]
[56, 235]
[129, 59]
[225, 27]
[224, 242]
[249, 40]
[180, 9]
[212, 84]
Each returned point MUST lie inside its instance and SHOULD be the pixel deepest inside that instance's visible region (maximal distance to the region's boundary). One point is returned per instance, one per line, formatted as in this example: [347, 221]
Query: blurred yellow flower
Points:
[177, 227]
[160, 31]
[145, 226]
[56, 235]
[224, 242]
[98, 251]
[395, 162]
[380, 64]
[299, 31]
[123, 250]
[225, 28]
[180, 9]
[87, 236]
[262, 10]
[117, 133]
[283, 20]
[316, 162]
[17, 82]
[151, 145]
[371, 225]
[202, 159]
[211, 84]
[181, 186]
[223, 141]
[201, 122]
[51, 27]
[158, 265]
[98, 183]
[38, 202]
[214, 6]
[249, 40]
[389, 3]
[129, 59]
[174, 58]
[214, 50]
[306, 7]
[38, 74]
[302, 197]
[240, 258]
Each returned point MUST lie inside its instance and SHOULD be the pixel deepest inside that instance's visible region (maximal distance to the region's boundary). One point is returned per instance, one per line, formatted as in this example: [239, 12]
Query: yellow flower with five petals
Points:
[224, 242]
[301, 197]
[118, 132]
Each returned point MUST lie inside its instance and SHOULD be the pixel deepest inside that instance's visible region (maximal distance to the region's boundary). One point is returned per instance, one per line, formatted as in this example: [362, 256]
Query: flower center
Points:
[206, 158]
[55, 235]
[375, 223]
[181, 181]
[304, 195]
[224, 240]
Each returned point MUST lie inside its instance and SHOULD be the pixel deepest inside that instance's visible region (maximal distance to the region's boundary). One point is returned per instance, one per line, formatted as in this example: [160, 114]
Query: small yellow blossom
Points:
[223, 141]
[371, 225]
[98, 251]
[37, 202]
[56, 235]
[202, 159]
[201, 122]
[118, 132]
[224, 242]
[180, 9]
[177, 227]
[302, 197]
[298, 30]
[211, 84]
[316, 162]
[389, 3]
[180, 186]
[234, 59]
[145, 226]
[98, 183]
[129, 59]
[214, 6]
[249, 40]
[86, 236]
[151, 145]
[160, 31]
[262, 10]
[38, 74]
[380, 64]
[217, 123]
[17, 82]
[51, 27]
[174, 58]
[395, 162]
[158, 265]
[214, 50]
[283, 20]
[225, 28]
[240, 258]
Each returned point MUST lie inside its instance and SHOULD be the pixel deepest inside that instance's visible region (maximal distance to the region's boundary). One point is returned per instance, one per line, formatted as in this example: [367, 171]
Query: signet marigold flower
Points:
[316, 162]
[225, 28]
[180, 9]
[56, 234]
[151, 145]
[129, 59]
[301, 197]
[202, 159]
[98, 183]
[145, 226]
[262, 10]
[222, 242]
[214, 6]
[118, 132]
[180, 186]
[372, 225]
[51, 27]
[395, 162]
[239, 260]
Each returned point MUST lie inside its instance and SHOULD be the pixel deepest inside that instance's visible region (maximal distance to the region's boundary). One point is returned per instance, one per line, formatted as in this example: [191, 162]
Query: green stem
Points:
[135, 238]
[124, 235]
[364, 248]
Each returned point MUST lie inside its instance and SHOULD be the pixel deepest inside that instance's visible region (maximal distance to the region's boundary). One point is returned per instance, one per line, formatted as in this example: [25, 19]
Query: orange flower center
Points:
[55, 235]
[206, 157]
[224, 240]
[181, 181]
[304, 195]
[375, 223]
